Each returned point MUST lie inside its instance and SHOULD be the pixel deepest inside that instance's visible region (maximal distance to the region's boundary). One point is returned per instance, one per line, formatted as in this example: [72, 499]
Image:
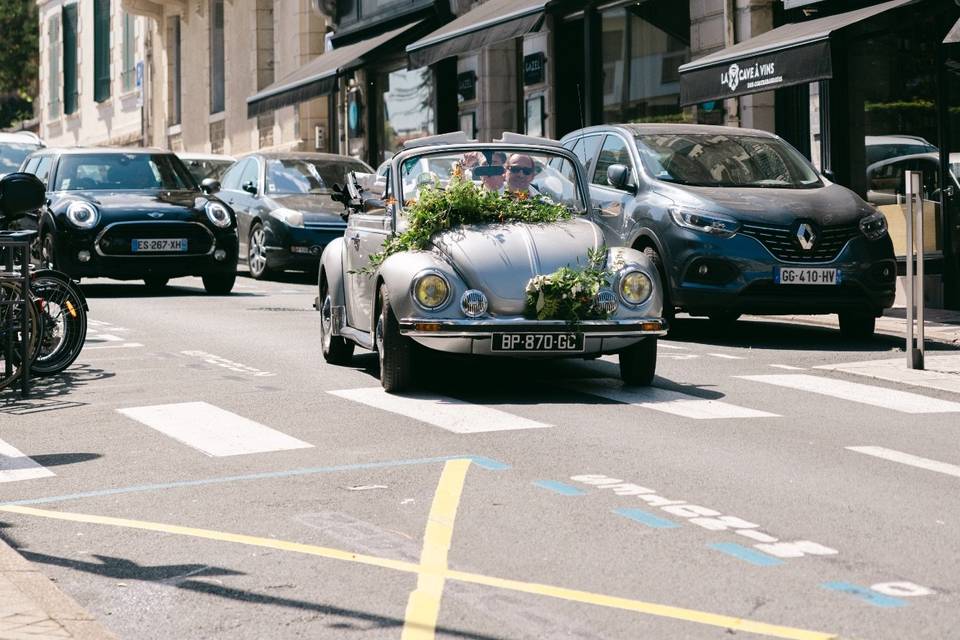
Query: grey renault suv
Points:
[738, 221]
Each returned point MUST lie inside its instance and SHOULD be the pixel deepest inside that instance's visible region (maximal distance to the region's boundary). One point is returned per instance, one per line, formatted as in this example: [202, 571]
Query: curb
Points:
[36, 607]
[891, 327]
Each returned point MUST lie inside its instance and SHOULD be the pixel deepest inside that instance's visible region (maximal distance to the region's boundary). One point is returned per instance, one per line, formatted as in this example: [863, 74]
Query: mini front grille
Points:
[117, 239]
[783, 244]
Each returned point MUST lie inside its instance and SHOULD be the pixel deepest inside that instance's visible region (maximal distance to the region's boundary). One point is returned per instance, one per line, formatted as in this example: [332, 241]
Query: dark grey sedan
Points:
[738, 221]
[284, 211]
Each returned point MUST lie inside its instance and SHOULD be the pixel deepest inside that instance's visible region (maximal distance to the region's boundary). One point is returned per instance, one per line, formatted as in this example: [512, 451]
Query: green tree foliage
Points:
[19, 55]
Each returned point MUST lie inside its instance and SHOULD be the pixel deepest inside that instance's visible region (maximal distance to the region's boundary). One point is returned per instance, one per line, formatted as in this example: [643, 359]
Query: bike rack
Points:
[17, 244]
[914, 284]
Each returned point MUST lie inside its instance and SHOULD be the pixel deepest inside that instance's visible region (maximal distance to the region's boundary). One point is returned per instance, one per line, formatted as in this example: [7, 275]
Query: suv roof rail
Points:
[519, 138]
[456, 137]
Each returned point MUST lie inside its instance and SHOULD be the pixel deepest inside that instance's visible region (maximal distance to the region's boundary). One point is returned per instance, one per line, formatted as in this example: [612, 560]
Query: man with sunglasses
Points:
[520, 173]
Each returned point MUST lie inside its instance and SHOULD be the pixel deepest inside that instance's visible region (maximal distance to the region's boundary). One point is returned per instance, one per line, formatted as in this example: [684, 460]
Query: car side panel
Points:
[333, 269]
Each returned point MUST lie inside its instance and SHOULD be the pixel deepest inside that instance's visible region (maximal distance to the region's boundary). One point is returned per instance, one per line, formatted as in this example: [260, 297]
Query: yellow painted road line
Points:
[572, 595]
[423, 606]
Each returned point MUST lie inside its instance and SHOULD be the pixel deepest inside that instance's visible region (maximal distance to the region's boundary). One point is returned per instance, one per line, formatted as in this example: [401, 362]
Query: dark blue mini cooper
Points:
[132, 214]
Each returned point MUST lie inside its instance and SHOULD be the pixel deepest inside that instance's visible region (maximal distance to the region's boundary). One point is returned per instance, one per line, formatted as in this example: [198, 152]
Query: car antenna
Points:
[580, 105]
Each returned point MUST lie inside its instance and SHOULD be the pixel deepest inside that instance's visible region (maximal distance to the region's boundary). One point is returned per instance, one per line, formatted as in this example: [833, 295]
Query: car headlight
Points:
[83, 215]
[218, 214]
[873, 226]
[634, 287]
[713, 223]
[290, 217]
[431, 290]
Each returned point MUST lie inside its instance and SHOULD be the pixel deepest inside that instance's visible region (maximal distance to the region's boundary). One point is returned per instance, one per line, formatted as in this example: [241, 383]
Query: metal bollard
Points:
[914, 282]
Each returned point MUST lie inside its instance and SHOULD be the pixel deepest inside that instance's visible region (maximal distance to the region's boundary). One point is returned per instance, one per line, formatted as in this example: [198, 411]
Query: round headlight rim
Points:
[620, 278]
[416, 281]
[483, 296]
[89, 206]
[214, 204]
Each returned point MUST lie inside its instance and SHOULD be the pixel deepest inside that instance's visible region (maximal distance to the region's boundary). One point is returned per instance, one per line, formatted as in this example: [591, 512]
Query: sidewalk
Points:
[940, 325]
[32, 608]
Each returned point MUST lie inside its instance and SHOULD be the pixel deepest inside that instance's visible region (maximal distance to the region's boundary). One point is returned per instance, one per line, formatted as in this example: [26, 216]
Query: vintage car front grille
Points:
[115, 239]
[782, 241]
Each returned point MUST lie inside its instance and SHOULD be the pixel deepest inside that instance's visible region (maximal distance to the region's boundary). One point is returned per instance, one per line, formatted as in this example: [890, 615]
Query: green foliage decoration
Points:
[569, 293]
[462, 203]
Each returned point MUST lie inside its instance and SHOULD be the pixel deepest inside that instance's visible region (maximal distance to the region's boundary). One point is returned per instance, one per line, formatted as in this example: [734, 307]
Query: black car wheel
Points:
[857, 325]
[219, 284]
[155, 283]
[257, 253]
[638, 363]
[654, 256]
[336, 349]
[394, 350]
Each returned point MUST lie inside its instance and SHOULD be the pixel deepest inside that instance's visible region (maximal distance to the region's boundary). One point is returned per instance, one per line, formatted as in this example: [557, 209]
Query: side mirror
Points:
[210, 186]
[249, 187]
[20, 193]
[829, 175]
[618, 175]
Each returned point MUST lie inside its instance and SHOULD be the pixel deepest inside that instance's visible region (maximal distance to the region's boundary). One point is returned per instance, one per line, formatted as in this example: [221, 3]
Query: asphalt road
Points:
[202, 473]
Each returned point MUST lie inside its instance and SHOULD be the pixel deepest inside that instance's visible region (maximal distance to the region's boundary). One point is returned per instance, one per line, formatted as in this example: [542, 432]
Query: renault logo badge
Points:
[806, 236]
[155, 214]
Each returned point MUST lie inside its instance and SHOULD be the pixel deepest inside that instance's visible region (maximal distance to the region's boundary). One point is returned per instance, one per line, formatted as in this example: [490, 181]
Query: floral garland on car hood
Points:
[461, 203]
[570, 293]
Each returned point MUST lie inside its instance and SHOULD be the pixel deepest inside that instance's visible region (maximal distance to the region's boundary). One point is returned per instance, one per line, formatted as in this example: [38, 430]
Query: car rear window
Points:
[718, 160]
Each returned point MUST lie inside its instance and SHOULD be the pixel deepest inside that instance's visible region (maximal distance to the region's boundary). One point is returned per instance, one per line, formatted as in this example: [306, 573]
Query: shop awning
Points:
[493, 21]
[789, 55]
[319, 76]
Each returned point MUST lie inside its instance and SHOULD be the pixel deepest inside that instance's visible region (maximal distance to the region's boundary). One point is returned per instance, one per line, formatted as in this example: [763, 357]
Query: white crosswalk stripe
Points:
[15, 466]
[909, 459]
[901, 401]
[212, 430]
[668, 401]
[451, 414]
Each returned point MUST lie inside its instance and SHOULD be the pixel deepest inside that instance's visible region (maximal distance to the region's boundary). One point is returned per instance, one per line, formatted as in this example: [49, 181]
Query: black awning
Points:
[493, 21]
[789, 55]
[319, 76]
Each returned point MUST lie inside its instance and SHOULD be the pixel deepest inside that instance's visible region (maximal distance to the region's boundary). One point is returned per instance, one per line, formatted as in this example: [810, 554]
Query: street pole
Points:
[914, 285]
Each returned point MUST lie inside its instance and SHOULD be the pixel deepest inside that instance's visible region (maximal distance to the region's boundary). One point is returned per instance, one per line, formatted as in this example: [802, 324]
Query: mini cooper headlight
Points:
[430, 290]
[290, 217]
[218, 214]
[713, 223]
[873, 226]
[634, 287]
[83, 215]
[473, 303]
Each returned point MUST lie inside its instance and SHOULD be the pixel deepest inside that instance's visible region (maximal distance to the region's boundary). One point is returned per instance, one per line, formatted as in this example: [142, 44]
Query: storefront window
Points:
[642, 52]
[409, 109]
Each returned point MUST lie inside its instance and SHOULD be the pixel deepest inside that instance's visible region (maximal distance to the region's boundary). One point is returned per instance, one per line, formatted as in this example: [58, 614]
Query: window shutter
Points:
[69, 58]
[101, 50]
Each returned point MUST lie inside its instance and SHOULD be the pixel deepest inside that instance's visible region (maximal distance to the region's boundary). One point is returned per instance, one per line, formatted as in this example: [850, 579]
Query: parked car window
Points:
[298, 175]
[614, 151]
[203, 169]
[42, 168]
[878, 152]
[12, 155]
[121, 171]
[251, 173]
[586, 149]
[886, 179]
[717, 160]
[31, 166]
[231, 179]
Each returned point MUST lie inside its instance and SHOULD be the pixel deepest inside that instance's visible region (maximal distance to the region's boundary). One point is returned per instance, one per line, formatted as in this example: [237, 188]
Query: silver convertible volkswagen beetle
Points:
[483, 249]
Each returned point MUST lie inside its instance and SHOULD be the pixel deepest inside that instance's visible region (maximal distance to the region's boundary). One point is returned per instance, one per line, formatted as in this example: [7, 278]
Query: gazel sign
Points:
[713, 79]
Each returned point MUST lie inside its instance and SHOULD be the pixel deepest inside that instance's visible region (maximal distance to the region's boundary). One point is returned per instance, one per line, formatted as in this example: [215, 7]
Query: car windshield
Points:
[203, 169]
[13, 153]
[539, 174]
[718, 160]
[298, 175]
[122, 171]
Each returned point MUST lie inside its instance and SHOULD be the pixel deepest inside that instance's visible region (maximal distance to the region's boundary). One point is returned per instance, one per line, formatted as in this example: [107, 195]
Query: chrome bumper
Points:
[486, 327]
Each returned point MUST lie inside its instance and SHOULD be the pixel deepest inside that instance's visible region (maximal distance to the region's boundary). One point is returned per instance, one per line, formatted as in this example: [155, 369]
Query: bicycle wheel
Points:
[11, 326]
[64, 322]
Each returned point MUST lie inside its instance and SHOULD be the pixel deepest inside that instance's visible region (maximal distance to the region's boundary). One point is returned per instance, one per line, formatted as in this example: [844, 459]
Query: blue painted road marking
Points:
[643, 517]
[746, 554]
[867, 595]
[559, 487]
[480, 461]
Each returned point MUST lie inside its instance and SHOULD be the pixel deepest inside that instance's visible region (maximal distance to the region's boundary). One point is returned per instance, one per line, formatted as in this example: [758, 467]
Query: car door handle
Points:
[355, 239]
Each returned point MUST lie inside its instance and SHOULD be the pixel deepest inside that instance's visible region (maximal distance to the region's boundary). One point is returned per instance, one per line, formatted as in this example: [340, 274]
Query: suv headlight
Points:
[83, 215]
[713, 223]
[634, 287]
[290, 217]
[218, 214]
[873, 226]
[431, 290]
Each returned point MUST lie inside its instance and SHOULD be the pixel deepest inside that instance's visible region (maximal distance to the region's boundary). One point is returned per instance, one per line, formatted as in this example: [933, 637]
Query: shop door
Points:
[569, 72]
